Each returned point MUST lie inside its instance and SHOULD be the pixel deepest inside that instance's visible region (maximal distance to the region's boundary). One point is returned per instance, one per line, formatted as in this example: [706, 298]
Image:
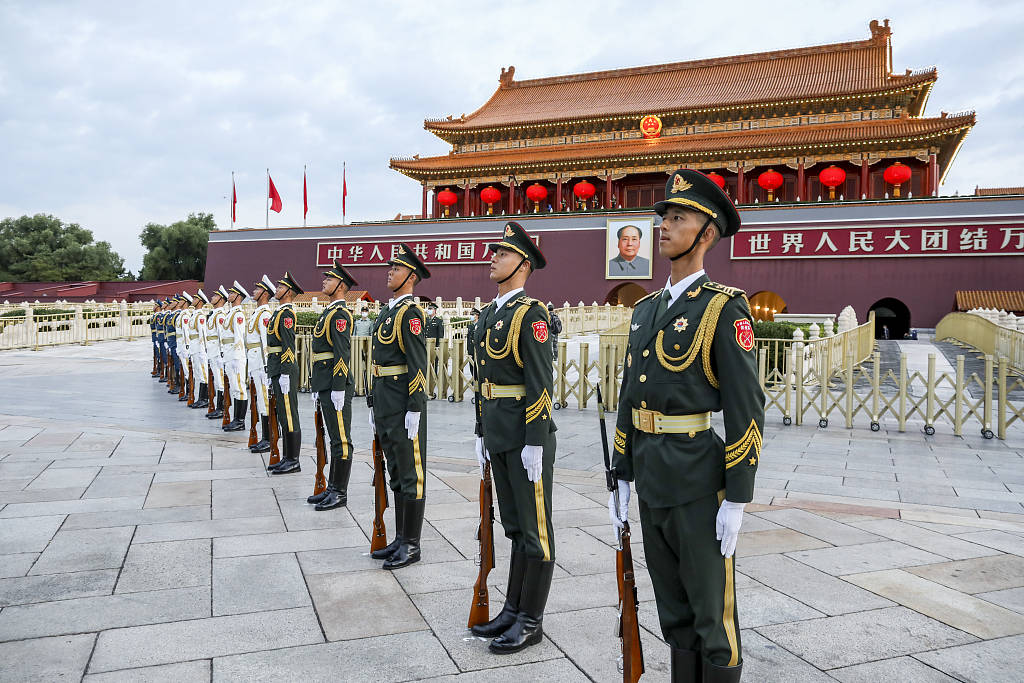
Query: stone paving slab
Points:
[84, 549]
[183, 672]
[895, 669]
[989, 660]
[171, 564]
[978, 575]
[257, 583]
[26, 589]
[46, 659]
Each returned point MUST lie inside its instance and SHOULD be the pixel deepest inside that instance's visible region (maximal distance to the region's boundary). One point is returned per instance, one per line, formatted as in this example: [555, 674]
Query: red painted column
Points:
[801, 190]
[511, 197]
[741, 191]
[608, 192]
[465, 200]
[558, 194]
[933, 175]
[865, 187]
[423, 212]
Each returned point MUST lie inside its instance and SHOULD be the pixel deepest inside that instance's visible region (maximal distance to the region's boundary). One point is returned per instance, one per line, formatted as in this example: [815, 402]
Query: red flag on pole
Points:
[234, 200]
[305, 201]
[275, 204]
[344, 192]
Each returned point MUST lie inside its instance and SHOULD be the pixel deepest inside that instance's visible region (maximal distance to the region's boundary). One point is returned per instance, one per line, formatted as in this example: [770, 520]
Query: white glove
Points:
[373, 425]
[620, 515]
[338, 399]
[286, 383]
[727, 526]
[482, 456]
[412, 424]
[314, 396]
[532, 457]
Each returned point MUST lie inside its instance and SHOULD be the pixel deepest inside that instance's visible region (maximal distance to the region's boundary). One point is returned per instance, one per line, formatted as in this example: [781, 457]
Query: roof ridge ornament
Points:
[879, 31]
[506, 77]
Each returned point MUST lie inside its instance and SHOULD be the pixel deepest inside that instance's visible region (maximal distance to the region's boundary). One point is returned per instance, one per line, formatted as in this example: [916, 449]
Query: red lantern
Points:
[832, 177]
[584, 190]
[717, 179]
[489, 196]
[536, 193]
[770, 180]
[446, 198]
[896, 175]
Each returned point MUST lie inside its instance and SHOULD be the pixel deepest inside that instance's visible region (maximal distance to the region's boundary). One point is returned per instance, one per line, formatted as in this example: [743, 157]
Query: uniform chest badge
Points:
[241, 320]
[744, 334]
[500, 324]
[288, 323]
[680, 324]
[634, 327]
[220, 321]
[266, 322]
[415, 325]
[341, 324]
[540, 331]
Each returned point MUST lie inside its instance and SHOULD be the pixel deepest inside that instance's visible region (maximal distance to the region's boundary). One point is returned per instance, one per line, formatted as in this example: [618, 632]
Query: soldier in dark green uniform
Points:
[399, 402]
[690, 353]
[512, 346]
[158, 363]
[331, 383]
[474, 320]
[283, 370]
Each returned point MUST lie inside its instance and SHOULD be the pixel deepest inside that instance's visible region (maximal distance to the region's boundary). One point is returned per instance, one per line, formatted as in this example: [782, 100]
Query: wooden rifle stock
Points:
[275, 434]
[181, 382]
[227, 402]
[631, 658]
[254, 415]
[191, 386]
[319, 481]
[211, 392]
[479, 610]
[379, 537]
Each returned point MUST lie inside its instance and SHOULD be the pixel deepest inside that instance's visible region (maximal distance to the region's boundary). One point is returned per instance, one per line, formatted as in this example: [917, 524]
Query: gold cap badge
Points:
[508, 231]
[680, 184]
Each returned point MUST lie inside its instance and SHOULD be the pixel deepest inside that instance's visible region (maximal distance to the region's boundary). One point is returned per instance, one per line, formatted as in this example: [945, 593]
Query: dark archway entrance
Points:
[892, 318]
[765, 304]
[627, 294]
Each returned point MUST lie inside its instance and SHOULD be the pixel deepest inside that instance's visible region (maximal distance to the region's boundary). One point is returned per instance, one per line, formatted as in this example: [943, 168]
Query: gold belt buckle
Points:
[646, 418]
[485, 390]
[376, 370]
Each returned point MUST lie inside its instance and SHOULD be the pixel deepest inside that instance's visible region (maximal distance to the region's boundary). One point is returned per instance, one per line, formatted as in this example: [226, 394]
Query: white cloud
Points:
[117, 115]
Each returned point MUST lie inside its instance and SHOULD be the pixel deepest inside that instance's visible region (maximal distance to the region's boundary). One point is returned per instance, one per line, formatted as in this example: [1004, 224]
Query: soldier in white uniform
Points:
[219, 298]
[232, 348]
[256, 355]
[183, 342]
[197, 349]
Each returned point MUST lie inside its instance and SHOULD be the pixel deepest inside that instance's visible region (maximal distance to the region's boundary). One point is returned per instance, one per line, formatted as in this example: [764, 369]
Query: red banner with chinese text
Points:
[859, 242]
[433, 251]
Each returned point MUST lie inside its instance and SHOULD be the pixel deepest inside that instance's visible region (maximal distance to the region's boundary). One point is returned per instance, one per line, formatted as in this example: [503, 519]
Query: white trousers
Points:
[235, 372]
[262, 382]
[217, 366]
[199, 368]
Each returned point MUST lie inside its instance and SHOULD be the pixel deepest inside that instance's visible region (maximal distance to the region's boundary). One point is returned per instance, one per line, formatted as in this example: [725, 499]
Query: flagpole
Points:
[266, 200]
[343, 193]
[231, 199]
[303, 195]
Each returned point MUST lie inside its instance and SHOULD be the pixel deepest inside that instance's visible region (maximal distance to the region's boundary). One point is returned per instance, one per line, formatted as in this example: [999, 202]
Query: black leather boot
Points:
[290, 460]
[263, 445]
[721, 674]
[387, 551]
[219, 412]
[238, 424]
[527, 629]
[409, 551]
[337, 486]
[507, 616]
[686, 666]
[203, 401]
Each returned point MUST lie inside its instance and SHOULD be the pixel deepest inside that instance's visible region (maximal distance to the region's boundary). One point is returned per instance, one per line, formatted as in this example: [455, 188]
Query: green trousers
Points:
[287, 411]
[525, 506]
[694, 586]
[406, 459]
[338, 424]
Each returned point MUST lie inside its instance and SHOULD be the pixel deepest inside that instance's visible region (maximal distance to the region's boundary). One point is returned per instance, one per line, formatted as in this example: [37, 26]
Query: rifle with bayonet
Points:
[275, 434]
[479, 610]
[631, 659]
[319, 481]
[379, 536]
[254, 414]
[227, 401]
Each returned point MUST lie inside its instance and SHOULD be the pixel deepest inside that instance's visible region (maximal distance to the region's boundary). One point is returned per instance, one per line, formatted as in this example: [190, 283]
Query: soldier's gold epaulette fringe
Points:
[724, 289]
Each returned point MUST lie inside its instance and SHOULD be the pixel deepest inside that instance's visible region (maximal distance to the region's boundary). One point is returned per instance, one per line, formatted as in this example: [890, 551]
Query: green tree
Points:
[176, 251]
[43, 248]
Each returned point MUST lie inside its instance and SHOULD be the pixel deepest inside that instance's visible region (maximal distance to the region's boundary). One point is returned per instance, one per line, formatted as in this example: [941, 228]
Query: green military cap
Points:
[266, 284]
[406, 257]
[516, 239]
[239, 290]
[695, 191]
[289, 282]
[339, 272]
[202, 295]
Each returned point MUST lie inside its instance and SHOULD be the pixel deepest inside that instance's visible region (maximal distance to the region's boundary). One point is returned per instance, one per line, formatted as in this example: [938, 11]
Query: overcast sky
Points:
[115, 114]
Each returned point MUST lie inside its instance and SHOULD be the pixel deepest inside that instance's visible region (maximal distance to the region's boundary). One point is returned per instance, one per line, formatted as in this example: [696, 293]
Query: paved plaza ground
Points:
[138, 542]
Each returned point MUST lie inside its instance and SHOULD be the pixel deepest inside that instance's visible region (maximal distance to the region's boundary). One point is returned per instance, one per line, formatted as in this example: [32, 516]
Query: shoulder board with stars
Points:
[724, 289]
